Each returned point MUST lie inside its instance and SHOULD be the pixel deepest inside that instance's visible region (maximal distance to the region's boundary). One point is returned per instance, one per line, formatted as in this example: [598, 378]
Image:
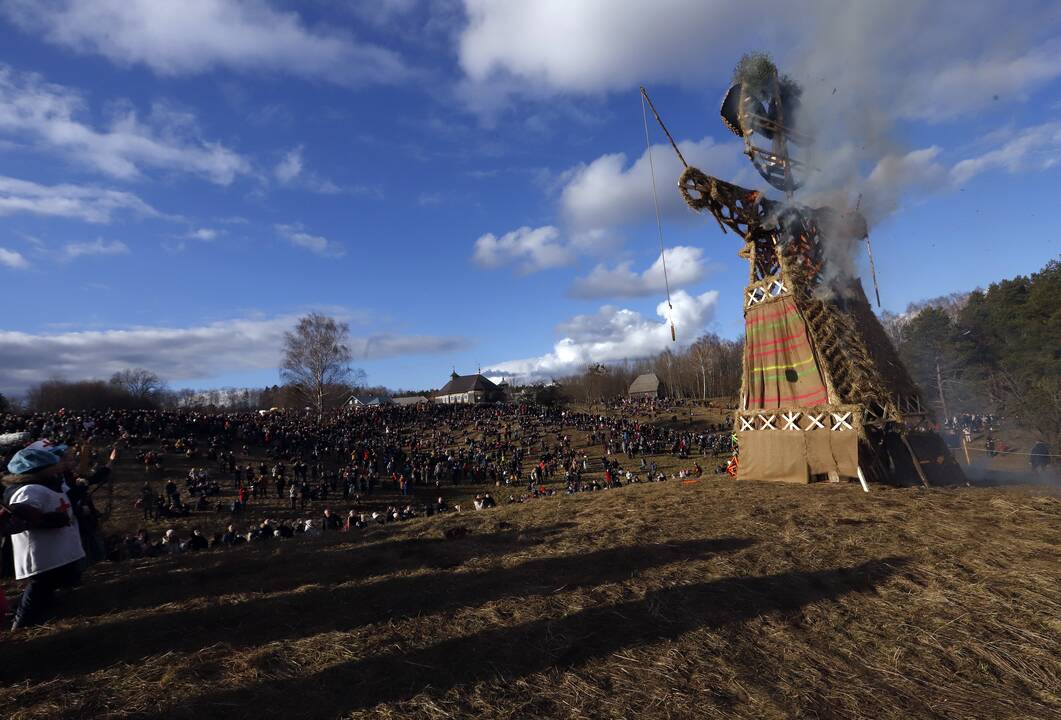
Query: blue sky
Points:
[465, 182]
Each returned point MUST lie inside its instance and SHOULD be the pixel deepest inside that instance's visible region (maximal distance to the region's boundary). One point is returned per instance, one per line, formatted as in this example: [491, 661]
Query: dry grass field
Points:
[666, 600]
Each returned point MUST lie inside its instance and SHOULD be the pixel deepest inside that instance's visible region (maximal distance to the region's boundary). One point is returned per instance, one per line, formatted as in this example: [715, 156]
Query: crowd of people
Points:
[305, 476]
[978, 433]
[971, 422]
[223, 479]
[171, 542]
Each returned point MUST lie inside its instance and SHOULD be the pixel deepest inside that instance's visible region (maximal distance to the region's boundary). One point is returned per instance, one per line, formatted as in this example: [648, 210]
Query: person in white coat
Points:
[48, 553]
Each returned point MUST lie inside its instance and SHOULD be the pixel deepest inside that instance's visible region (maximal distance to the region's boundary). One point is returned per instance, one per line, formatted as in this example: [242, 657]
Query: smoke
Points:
[842, 236]
[851, 74]
[764, 96]
[985, 473]
[870, 71]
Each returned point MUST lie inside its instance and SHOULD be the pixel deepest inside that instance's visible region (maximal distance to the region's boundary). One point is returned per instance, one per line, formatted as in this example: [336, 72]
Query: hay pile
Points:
[717, 599]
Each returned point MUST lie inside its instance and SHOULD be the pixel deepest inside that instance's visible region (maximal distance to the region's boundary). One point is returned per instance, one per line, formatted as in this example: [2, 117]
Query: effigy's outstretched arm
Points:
[733, 206]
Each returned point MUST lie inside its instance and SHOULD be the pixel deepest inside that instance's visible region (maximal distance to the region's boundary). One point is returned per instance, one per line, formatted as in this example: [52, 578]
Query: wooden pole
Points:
[917, 463]
[644, 94]
[862, 478]
[873, 268]
[939, 387]
[965, 447]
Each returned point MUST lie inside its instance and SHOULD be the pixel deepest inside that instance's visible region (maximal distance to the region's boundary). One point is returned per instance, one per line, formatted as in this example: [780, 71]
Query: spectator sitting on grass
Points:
[351, 522]
[330, 521]
[170, 544]
[229, 537]
[196, 541]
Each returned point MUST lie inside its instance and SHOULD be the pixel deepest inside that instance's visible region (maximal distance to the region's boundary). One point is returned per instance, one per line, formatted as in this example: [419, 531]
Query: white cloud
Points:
[95, 247]
[291, 170]
[594, 45]
[13, 259]
[382, 13]
[685, 266]
[614, 334]
[204, 234]
[178, 353]
[386, 345]
[598, 198]
[865, 67]
[31, 108]
[969, 84]
[195, 36]
[1030, 149]
[894, 175]
[175, 353]
[81, 202]
[608, 192]
[921, 59]
[296, 235]
[532, 248]
[290, 167]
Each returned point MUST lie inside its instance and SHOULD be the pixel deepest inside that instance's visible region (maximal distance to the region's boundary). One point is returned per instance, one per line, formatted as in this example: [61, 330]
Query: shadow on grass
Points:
[322, 608]
[509, 653]
[274, 566]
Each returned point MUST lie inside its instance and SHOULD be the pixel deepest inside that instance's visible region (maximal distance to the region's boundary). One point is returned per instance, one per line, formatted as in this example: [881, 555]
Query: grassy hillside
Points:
[715, 599]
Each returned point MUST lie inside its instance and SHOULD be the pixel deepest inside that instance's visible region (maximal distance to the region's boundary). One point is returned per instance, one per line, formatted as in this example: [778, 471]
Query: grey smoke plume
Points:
[867, 68]
[762, 87]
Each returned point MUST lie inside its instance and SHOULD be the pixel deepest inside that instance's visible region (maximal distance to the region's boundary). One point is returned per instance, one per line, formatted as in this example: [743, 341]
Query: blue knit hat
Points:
[33, 458]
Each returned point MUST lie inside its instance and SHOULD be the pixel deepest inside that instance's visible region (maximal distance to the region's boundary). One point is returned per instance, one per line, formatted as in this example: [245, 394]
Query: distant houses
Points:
[411, 400]
[646, 386]
[460, 390]
[468, 390]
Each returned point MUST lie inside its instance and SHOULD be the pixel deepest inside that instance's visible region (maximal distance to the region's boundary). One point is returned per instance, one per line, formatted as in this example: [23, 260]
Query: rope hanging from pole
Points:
[655, 200]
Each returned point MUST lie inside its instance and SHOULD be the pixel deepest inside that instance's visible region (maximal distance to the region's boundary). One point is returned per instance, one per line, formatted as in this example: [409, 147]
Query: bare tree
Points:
[316, 359]
[895, 327]
[704, 352]
[142, 385]
[662, 365]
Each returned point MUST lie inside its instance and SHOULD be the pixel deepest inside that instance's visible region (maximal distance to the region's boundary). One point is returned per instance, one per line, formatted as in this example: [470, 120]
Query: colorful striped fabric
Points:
[779, 365]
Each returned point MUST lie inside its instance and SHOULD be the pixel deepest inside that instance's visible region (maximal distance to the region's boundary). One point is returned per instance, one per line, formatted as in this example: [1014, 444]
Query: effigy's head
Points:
[761, 107]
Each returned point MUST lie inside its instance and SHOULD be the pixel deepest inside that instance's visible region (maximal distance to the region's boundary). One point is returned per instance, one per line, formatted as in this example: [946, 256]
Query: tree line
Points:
[992, 351]
[709, 368]
[130, 389]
